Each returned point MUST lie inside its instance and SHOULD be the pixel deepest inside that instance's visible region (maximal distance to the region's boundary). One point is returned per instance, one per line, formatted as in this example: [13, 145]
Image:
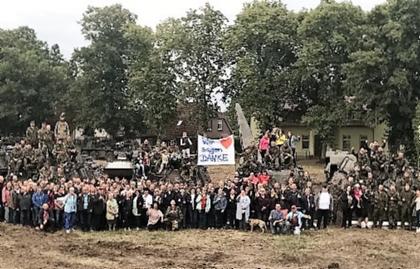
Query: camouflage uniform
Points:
[363, 161]
[400, 165]
[16, 157]
[393, 207]
[388, 183]
[49, 142]
[28, 159]
[62, 130]
[380, 199]
[42, 133]
[401, 181]
[32, 136]
[60, 153]
[406, 200]
[379, 167]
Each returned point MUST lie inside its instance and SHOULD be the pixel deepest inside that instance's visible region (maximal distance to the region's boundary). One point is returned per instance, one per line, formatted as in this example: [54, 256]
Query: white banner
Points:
[216, 151]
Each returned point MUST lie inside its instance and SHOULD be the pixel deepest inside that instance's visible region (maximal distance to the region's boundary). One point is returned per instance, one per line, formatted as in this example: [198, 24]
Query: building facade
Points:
[345, 138]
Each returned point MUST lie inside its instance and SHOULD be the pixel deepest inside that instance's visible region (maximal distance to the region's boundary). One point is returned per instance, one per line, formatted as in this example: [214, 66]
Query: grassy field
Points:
[334, 248]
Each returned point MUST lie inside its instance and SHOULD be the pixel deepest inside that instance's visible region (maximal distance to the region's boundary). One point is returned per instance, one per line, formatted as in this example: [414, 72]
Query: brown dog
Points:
[257, 223]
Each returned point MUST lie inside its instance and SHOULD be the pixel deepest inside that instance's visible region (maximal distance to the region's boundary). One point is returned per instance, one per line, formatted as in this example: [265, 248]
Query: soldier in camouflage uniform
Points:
[336, 191]
[39, 158]
[16, 157]
[380, 201]
[28, 160]
[45, 172]
[49, 141]
[32, 135]
[42, 133]
[388, 183]
[274, 153]
[60, 152]
[380, 165]
[401, 164]
[363, 161]
[62, 130]
[407, 196]
[406, 179]
[393, 206]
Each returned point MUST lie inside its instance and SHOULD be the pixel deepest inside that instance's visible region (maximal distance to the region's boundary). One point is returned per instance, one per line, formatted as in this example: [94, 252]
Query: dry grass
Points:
[26, 248]
[315, 169]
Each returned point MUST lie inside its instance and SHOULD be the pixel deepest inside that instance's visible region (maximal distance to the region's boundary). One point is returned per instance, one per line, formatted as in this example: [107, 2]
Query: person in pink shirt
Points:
[264, 145]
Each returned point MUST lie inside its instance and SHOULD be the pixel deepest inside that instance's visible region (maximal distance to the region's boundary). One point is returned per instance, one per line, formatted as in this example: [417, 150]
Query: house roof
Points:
[182, 123]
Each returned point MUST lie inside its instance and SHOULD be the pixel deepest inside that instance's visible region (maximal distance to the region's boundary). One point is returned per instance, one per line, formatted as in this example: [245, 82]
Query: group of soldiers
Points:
[380, 187]
[41, 148]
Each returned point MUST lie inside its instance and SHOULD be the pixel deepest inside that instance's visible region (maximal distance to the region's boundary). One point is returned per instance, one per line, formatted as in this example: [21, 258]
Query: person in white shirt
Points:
[148, 200]
[417, 207]
[324, 206]
[185, 144]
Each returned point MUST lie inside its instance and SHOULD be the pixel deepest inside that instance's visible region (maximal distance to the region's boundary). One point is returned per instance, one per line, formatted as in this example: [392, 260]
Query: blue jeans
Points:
[69, 219]
[35, 216]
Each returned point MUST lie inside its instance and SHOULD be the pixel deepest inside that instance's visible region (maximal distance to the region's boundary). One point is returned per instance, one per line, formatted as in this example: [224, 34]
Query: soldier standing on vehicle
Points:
[62, 130]
[32, 135]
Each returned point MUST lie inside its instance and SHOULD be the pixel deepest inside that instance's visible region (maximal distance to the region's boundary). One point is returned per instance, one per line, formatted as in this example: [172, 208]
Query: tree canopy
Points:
[32, 79]
[323, 67]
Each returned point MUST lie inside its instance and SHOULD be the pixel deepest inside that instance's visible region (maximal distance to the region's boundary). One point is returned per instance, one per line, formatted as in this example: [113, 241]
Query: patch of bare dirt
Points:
[333, 248]
[221, 172]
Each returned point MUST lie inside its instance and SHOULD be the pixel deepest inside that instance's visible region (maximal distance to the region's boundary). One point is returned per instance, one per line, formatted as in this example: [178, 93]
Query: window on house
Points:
[305, 141]
[346, 142]
[363, 139]
[209, 126]
[219, 125]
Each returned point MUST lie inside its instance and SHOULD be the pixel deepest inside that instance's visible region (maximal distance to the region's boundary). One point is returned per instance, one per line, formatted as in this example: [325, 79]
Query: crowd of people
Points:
[379, 188]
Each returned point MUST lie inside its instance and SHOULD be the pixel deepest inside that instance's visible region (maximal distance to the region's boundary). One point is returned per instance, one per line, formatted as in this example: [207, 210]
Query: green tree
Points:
[384, 73]
[101, 95]
[194, 45]
[33, 80]
[262, 47]
[329, 34]
[152, 85]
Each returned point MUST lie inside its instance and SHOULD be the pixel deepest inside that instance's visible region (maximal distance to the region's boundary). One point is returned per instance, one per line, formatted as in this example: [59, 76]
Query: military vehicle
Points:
[4, 161]
[338, 161]
[6, 146]
[99, 149]
[120, 168]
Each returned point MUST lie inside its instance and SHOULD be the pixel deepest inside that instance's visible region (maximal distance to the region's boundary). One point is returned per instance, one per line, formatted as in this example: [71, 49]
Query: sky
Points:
[57, 21]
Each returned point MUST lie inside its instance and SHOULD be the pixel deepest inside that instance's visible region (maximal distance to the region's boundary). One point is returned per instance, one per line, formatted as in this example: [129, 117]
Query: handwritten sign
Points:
[216, 151]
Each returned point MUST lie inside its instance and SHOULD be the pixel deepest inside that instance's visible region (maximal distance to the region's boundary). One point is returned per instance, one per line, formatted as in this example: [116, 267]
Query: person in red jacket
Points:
[263, 178]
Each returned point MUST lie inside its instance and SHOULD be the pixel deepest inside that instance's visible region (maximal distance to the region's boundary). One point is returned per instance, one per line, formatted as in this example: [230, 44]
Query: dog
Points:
[257, 223]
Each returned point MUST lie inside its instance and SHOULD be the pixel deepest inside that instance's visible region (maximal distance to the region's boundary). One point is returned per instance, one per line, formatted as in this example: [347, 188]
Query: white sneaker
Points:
[417, 230]
[67, 231]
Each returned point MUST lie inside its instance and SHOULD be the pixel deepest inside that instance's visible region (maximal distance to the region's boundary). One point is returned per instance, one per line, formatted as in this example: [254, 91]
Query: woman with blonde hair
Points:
[111, 211]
